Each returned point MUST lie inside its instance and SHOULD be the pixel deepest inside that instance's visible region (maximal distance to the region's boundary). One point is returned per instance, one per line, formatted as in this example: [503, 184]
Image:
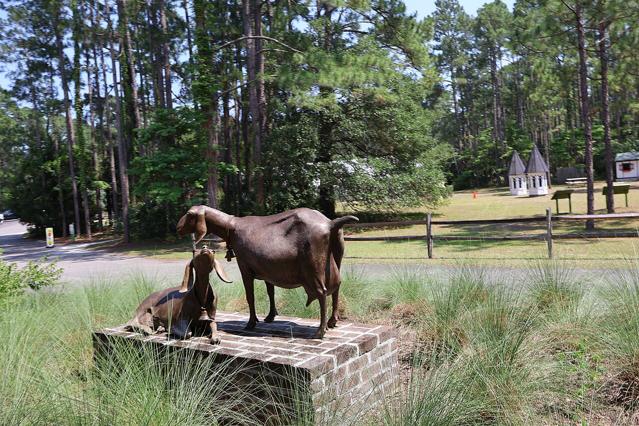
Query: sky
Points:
[426, 7]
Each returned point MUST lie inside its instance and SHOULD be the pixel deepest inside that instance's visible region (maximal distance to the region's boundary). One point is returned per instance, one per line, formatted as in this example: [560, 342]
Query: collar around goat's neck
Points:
[219, 223]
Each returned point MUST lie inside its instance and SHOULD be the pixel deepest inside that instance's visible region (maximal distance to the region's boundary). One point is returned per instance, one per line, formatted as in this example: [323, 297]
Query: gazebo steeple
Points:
[537, 173]
[517, 176]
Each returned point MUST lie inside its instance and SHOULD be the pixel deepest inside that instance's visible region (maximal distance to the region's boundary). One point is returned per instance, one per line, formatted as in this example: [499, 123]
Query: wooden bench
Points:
[618, 188]
[561, 195]
[576, 181]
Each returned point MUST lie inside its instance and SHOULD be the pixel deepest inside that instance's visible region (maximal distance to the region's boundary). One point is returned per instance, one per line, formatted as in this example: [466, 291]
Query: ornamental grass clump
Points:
[553, 286]
[506, 366]
[441, 331]
[49, 376]
[481, 335]
[408, 285]
[619, 336]
[137, 384]
[437, 395]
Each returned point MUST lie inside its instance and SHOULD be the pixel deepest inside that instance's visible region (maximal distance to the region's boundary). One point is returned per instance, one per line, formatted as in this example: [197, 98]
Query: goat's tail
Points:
[336, 243]
[338, 223]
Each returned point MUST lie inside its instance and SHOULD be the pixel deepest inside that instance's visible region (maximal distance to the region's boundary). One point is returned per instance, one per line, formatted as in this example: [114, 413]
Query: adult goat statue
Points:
[299, 247]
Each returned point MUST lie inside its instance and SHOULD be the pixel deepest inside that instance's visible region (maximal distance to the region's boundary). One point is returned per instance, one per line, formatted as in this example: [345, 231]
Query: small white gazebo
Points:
[517, 176]
[627, 165]
[537, 172]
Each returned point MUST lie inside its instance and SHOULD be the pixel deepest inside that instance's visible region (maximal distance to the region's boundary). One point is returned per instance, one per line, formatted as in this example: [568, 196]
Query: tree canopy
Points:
[125, 110]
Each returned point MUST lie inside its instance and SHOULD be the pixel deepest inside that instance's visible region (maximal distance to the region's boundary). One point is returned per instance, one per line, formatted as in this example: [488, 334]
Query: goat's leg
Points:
[332, 322]
[250, 299]
[272, 311]
[322, 327]
[212, 311]
[215, 338]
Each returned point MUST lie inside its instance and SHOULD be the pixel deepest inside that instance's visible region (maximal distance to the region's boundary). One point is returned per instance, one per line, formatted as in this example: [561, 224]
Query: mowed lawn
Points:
[497, 203]
[490, 203]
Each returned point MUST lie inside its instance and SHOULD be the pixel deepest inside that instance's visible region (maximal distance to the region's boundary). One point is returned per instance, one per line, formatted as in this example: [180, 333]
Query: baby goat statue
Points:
[185, 310]
[300, 247]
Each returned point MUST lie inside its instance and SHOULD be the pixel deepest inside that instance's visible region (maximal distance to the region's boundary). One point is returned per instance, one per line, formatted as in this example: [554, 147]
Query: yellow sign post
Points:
[50, 241]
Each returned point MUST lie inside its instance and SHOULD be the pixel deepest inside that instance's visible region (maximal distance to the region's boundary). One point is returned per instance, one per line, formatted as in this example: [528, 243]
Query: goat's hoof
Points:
[215, 340]
[332, 323]
[270, 317]
[319, 334]
[250, 325]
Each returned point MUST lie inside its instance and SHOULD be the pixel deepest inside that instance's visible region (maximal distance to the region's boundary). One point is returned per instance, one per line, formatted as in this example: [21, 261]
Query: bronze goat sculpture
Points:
[185, 310]
[300, 247]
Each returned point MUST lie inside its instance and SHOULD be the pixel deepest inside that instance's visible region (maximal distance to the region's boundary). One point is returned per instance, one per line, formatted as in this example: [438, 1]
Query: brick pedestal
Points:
[351, 369]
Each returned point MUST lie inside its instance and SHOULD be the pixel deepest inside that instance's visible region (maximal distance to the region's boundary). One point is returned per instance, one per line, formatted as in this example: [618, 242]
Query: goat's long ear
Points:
[187, 281]
[220, 271]
[200, 226]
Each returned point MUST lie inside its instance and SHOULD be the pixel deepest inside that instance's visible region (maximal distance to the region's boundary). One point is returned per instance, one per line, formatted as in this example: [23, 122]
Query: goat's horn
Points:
[220, 271]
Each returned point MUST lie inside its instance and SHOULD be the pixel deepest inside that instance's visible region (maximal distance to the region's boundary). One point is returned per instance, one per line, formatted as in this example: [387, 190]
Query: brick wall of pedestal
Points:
[352, 369]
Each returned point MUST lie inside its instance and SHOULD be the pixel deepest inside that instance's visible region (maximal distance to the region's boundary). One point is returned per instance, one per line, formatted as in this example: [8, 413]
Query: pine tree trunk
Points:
[63, 213]
[155, 57]
[78, 8]
[68, 120]
[142, 89]
[106, 126]
[122, 150]
[238, 153]
[605, 114]
[208, 98]
[261, 99]
[92, 112]
[245, 186]
[519, 98]
[189, 36]
[227, 143]
[166, 55]
[93, 142]
[213, 125]
[130, 89]
[325, 129]
[453, 88]
[585, 113]
[324, 157]
[58, 171]
[254, 109]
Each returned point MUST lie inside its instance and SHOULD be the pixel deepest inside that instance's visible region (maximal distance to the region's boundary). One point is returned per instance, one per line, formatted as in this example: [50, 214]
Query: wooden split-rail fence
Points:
[548, 236]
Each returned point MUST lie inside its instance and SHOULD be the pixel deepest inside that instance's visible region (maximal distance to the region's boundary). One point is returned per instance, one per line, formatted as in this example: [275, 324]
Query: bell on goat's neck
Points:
[230, 254]
[204, 316]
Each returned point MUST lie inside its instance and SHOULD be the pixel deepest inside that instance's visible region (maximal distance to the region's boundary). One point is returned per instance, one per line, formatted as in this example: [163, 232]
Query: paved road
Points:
[83, 263]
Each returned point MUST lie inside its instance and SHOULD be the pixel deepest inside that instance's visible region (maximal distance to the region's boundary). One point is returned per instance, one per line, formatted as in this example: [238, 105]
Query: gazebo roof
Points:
[516, 165]
[627, 156]
[536, 163]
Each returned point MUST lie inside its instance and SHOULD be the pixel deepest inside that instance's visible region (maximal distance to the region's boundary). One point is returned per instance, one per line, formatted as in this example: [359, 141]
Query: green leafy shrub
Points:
[13, 280]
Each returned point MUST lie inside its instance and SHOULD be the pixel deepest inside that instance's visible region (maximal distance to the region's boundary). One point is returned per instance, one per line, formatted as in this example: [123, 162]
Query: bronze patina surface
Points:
[185, 310]
[296, 248]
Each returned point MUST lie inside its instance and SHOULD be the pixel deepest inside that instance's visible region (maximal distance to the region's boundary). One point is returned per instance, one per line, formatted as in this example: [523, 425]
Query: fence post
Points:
[549, 232]
[429, 235]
